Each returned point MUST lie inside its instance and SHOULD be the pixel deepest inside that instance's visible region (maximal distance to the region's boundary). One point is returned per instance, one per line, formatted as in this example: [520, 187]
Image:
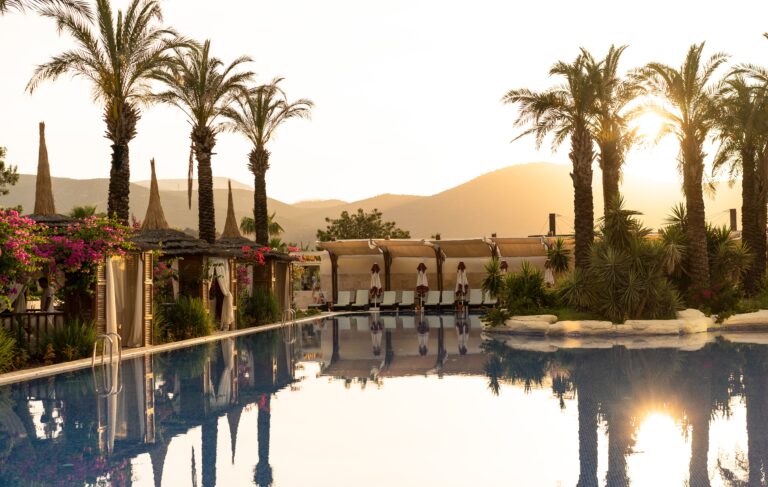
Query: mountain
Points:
[513, 201]
[181, 184]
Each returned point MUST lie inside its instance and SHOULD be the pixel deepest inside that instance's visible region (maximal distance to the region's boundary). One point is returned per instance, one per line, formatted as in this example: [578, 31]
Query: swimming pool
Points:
[381, 400]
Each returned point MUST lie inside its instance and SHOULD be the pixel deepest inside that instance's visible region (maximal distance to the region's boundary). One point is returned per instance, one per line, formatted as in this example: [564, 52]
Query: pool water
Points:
[409, 400]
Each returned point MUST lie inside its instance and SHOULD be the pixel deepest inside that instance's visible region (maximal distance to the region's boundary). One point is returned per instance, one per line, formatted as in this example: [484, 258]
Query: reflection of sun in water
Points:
[661, 452]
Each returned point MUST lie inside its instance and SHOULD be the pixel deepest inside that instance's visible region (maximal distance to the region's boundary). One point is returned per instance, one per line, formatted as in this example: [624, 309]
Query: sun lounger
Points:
[475, 298]
[433, 299]
[345, 323]
[407, 300]
[489, 301]
[448, 300]
[389, 299]
[342, 301]
[361, 299]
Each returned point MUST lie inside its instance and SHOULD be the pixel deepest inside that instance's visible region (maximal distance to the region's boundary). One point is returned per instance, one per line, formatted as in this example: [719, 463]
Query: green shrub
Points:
[524, 291]
[7, 351]
[627, 273]
[261, 308]
[73, 341]
[493, 283]
[495, 317]
[186, 318]
[559, 256]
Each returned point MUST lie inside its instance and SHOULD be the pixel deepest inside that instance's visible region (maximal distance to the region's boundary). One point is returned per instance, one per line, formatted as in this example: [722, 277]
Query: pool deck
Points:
[128, 353]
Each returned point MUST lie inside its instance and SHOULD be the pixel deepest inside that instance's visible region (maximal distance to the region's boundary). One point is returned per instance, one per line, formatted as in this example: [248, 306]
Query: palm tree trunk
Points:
[581, 156]
[121, 119]
[696, 234]
[610, 164]
[749, 222]
[259, 164]
[118, 203]
[203, 142]
[263, 473]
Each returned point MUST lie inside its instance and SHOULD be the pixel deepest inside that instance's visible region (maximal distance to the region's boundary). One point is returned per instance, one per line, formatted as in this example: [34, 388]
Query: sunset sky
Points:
[407, 92]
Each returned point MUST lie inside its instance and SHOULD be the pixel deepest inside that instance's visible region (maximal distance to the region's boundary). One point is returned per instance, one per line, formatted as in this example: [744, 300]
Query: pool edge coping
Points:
[49, 370]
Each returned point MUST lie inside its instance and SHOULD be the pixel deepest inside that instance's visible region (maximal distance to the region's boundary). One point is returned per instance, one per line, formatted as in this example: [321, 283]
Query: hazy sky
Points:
[407, 92]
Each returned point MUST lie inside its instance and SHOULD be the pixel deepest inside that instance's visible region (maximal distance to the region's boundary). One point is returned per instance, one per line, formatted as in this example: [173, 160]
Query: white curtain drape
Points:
[21, 301]
[111, 298]
[124, 293]
[175, 280]
[219, 270]
[224, 390]
[16, 289]
[136, 332]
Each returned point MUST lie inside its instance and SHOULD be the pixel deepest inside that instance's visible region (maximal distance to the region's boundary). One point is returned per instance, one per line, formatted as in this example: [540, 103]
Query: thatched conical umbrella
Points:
[230, 225]
[45, 209]
[155, 217]
[44, 204]
[155, 233]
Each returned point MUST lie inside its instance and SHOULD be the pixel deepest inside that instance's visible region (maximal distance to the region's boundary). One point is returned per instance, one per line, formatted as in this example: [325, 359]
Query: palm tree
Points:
[257, 117]
[118, 59]
[77, 6]
[201, 87]
[565, 111]
[690, 111]
[248, 226]
[742, 136]
[610, 124]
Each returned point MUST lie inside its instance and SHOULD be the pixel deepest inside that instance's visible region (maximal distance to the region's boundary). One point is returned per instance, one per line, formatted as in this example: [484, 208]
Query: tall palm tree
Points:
[566, 111]
[257, 117]
[690, 111]
[742, 133]
[610, 123]
[201, 87]
[118, 56]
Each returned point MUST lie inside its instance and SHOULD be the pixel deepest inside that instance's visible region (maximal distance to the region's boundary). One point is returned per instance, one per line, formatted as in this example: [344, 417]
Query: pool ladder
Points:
[107, 386]
[288, 332]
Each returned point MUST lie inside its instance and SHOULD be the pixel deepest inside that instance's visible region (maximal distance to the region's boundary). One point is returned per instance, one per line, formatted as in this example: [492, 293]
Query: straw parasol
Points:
[504, 267]
[45, 208]
[462, 284]
[155, 233]
[231, 242]
[422, 286]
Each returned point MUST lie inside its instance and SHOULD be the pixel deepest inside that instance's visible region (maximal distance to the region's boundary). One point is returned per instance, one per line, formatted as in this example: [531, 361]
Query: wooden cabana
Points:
[273, 275]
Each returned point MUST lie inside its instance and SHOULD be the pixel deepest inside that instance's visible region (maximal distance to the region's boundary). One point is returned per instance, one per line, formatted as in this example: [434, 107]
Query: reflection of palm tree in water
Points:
[263, 473]
[756, 395]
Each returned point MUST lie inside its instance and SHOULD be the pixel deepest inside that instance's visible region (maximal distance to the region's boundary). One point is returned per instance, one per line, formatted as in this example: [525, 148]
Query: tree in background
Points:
[248, 226]
[8, 174]
[118, 56]
[360, 225]
[257, 117]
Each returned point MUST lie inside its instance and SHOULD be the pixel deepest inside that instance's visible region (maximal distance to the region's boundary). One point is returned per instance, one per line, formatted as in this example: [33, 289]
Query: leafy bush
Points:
[627, 273]
[261, 308]
[71, 342]
[559, 256]
[523, 291]
[721, 299]
[493, 283]
[7, 351]
[495, 317]
[186, 318]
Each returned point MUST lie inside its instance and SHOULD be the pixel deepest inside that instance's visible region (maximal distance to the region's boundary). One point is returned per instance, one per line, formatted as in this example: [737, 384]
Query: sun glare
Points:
[649, 125]
[661, 452]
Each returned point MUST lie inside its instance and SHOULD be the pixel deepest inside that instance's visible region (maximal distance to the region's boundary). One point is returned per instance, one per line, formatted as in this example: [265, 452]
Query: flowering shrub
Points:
[19, 240]
[243, 279]
[164, 276]
[78, 251]
[256, 256]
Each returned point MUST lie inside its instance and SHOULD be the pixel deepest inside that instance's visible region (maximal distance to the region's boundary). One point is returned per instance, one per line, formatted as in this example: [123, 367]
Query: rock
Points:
[697, 325]
[547, 318]
[756, 319]
[654, 327]
[690, 313]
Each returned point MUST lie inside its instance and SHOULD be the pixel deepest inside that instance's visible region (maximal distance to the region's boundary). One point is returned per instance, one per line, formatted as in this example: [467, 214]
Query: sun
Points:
[648, 124]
